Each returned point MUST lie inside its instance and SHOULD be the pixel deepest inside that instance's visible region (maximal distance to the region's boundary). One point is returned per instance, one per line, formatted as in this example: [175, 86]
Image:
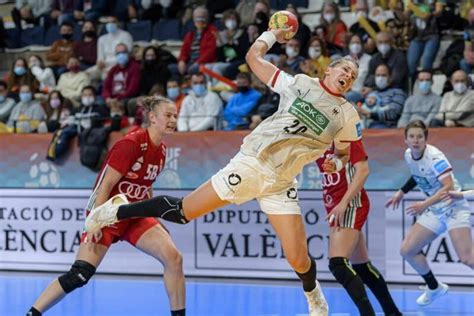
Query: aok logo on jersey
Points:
[309, 115]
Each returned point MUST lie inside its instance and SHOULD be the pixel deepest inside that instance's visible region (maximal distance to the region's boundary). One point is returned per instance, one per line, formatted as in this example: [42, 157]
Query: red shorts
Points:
[128, 229]
[355, 217]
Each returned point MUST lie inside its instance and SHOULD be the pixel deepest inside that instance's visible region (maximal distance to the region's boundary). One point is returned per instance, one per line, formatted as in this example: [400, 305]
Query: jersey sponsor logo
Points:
[331, 179]
[136, 166]
[234, 179]
[441, 166]
[292, 194]
[359, 129]
[309, 115]
[328, 200]
[133, 190]
[131, 175]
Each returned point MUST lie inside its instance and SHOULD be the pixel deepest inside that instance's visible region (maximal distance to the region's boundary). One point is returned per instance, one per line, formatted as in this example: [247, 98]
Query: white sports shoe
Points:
[429, 296]
[317, 304]
[105, 214]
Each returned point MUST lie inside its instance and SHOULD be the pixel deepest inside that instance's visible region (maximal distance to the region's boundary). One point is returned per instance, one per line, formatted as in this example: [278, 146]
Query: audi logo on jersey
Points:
[331, 179]
[133, 190]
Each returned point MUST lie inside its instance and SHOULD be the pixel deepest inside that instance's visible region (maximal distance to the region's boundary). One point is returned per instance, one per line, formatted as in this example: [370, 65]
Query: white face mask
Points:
[383, 48]
[460, 87]
[165, 3]
[291, 52]
[87, 101]
[381, 82]
[355, 48]
[314, 52]
[329, 17]
[231, 24]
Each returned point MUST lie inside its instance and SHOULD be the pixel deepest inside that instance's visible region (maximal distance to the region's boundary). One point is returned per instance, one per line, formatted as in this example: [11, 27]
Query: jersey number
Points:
[295, 128]
[151, 173]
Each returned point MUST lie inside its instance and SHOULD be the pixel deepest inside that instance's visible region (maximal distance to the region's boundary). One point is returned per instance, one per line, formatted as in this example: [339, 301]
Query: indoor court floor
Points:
[143, 296]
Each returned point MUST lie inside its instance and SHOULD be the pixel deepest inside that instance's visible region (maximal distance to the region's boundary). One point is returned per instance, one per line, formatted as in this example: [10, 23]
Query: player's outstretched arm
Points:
[418, 207]
[263, 69]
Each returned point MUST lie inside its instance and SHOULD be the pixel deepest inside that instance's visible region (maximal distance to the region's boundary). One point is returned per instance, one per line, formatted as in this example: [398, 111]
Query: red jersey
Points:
[138, 160]
[336, 184]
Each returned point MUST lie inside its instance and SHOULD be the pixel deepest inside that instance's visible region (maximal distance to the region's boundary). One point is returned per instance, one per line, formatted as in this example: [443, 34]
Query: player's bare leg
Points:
[91, 253]
[291, 233]
[417, 238]
[201, 201]
[462, 242]
[157, 243]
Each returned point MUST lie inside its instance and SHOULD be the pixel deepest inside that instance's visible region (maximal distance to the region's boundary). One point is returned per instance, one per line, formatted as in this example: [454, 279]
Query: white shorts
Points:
[456, 216]
[246, 178]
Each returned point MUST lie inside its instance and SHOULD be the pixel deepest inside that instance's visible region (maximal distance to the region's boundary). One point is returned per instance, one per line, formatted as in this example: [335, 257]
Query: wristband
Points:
[268, 38]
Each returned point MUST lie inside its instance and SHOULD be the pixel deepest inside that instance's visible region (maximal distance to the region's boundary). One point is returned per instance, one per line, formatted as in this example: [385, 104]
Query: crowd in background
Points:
[101, 77]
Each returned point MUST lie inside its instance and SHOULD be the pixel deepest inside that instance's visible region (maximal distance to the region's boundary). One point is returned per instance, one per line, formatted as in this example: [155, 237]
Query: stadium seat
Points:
[167, 29]
[281, 4]
[12, 39]
[32, 36]
[140, 30]
[52, 34]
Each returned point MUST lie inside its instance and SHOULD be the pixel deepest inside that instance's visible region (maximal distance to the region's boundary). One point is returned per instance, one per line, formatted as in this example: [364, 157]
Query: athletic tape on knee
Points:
[80, 273]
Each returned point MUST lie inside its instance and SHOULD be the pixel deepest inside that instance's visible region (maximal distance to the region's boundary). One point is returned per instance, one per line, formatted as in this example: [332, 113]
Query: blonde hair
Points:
[150, 103]
[348, 60]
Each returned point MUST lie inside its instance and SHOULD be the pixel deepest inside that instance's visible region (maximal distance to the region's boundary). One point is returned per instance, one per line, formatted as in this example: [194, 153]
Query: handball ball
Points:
[284, 19]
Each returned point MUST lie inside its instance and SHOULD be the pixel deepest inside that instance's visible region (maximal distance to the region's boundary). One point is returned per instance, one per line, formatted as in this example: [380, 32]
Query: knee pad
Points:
[342, 271]
[78, 276]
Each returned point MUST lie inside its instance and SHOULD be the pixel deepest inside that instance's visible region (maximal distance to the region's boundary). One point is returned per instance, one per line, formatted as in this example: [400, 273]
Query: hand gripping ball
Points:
[284, 19]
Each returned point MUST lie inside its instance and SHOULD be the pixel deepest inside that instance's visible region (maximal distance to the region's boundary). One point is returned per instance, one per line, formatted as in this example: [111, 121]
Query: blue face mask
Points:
[173, 93]
[19, 71]
[199, 89]
[2, 98]
[111, 27]
[424, 86]
[122, 58]
[25, 97]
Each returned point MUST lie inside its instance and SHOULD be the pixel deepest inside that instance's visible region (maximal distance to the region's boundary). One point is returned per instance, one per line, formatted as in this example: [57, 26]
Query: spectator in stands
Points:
[174, 92]
[267, 106]
[361, 12]
[67, 10]
[70, 83]
[467, 63]
[334, 27]
[154, 10]
[425, 42]
[199, 46]
[124, 10]
[457, 106]
[94, 9]
[261, 15]
[241, 104]
[86, 48]
[399, 26]
[422, 105]
[6, 103]
[59, 53]
[387, 113]
[394, 58]
[318, 58]
[123, 80]
[44, 75]
[90, 113]
[291, 60]
[106, 48]
[304, 33]
[153, 70]
[19, 75]
[58, 109]
[31, 12]
[26, 114]
[334, 51]
[245, 9]
[201, 108]
[356, 51]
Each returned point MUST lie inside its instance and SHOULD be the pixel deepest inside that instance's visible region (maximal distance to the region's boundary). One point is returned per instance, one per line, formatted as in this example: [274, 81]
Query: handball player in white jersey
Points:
[312, 114]
[443, 209]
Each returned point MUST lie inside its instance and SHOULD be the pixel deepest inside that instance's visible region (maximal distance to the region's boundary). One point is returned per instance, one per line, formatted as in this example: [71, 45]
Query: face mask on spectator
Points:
[19, 71]
[87, 101]
[55, 103]
[2, 98]
[165, 3]
[67, 36]
[150, 61]
[172, 93]
[425, 86]
[122, 58]
[314, 52]
[329, 17]
[34, 63]
[90, 34]
[355, 48]
[381, 82]
[243, 89]
[25, 97]
[111, 28]
[231, 24]
[383, 48]
[291, 52]
[74, 68]
[460, 87]
[199, 89]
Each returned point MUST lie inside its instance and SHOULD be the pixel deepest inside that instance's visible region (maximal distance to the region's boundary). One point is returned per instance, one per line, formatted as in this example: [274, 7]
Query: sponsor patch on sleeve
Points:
[441, 166]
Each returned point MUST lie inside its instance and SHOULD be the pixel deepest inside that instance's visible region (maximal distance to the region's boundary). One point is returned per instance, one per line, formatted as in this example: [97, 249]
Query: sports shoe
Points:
[429, 296]
[105, 214]
[317, 304]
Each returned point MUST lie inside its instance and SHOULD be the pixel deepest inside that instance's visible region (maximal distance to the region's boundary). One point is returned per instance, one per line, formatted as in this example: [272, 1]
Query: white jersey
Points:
[428, 171]
[309, 118]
